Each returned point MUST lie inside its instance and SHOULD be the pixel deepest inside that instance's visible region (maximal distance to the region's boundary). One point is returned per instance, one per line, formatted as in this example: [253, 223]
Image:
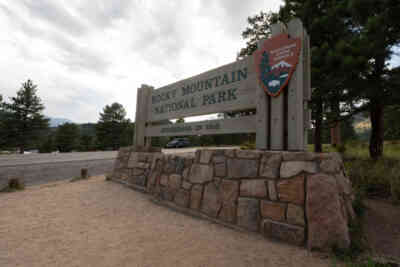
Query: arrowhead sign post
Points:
[276, 62]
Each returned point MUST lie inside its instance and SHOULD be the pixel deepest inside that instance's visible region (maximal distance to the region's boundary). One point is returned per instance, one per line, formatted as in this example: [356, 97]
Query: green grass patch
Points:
[378, 179]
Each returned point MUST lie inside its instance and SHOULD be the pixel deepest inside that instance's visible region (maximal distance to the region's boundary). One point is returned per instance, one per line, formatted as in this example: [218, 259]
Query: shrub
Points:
[395, 184]
[341, 148]
[14, 184]
[376, 178]
[248, 145]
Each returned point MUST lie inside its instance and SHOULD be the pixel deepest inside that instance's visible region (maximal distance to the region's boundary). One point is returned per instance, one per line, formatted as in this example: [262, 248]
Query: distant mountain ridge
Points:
[281, 64]
[54, 122]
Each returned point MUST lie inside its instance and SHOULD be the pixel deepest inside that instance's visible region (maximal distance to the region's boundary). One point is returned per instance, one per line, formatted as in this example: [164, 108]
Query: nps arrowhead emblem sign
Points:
[276, 62]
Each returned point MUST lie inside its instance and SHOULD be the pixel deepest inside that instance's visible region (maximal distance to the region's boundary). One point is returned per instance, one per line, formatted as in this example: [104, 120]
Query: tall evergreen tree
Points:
[24, 119]
[377, 26]
[369, 29]
[113, 130]
[67, 137]
[351, 44]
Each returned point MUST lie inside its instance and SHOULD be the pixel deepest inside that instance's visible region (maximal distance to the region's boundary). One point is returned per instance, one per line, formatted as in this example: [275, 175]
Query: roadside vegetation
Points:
[375, 178]
[13, 185]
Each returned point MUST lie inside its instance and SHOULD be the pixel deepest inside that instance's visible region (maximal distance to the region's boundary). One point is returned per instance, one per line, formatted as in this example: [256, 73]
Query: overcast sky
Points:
[84, 55]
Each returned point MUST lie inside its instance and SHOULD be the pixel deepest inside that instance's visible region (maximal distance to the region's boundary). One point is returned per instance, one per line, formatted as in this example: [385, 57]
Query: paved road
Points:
[36, 169]
[99, 223]
[37, 158]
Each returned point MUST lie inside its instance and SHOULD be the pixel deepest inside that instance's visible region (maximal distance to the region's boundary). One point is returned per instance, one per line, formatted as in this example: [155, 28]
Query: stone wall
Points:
[299, 197]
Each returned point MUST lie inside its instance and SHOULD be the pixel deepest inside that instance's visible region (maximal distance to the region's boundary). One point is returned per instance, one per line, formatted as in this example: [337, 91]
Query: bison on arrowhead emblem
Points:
[276, 62]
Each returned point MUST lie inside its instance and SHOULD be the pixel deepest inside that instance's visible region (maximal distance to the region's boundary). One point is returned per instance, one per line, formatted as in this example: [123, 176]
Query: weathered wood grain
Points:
[143, 96]
[246, 124]
[295, 93]
[200, 102]
[277, 106]
[262, 115]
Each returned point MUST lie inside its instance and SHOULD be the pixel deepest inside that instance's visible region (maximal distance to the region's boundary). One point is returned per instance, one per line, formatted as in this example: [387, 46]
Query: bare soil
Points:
[382, 228]
[98, 223]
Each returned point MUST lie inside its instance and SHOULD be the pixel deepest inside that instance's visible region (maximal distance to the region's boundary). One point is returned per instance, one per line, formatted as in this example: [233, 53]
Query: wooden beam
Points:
[262, 115]
[143, 96]
[246, 124]
[228, 88]
[296, 92]
[277, 106]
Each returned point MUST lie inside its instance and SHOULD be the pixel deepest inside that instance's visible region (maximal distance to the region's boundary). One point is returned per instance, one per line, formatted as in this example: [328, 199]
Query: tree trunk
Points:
[318, 129]
[335, 135]
[377, 130]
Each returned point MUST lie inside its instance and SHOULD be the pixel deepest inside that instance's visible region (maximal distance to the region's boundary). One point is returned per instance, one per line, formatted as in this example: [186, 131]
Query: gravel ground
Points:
[99, 223]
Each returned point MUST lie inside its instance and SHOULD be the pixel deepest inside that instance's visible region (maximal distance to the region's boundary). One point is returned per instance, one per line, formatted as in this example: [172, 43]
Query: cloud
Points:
[58, 16]
[86, 54]
[78, 57]
[103, 13]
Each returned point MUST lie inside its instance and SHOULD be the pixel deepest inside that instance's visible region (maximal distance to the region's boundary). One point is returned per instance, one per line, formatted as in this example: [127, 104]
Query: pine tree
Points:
[352, 42]
[24, 118]
[113, 130]
[67, 137]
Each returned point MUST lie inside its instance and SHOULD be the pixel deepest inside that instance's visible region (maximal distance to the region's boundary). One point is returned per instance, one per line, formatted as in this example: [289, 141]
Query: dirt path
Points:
[99, 223]
[382, 227]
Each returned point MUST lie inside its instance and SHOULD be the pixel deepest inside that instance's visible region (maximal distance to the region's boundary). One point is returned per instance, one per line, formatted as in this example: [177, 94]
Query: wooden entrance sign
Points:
[275, 82]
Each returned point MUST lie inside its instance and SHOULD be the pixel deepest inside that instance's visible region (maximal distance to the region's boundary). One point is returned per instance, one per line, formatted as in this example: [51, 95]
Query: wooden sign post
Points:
[275, 82]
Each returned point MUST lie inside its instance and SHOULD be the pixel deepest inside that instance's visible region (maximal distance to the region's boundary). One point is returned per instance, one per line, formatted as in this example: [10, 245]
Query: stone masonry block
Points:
[242, 168]
[273, 210]
[186, 185]
[182, 198]
[230, 153]
[330, 166]
[253, 188]
[295, 215]
[229, 191]
[248, 154]
[166, 194]
[174, 182]
[201, 173]
[206, 155]
[133, 159]
[164, 180]
[219, 166]
[137, 171]
[248, 213]
[270, 165]
[284, 232]
[124, 152]
[196, 197]
[179, 165]
[292, 168]
[273, 195]
[211, 200]
[292, 190]
[228, 213]
[151, 183]
[186, 173]
[327, 225]
[299, 156]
